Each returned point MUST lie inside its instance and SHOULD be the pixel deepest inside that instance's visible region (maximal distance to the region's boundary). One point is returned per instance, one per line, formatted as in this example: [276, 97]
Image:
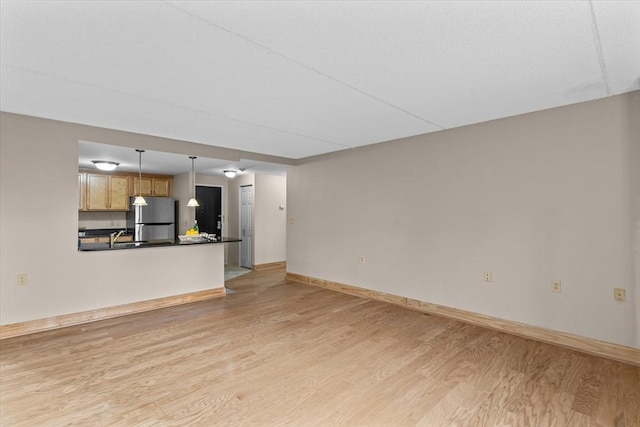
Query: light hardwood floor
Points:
[284, 353]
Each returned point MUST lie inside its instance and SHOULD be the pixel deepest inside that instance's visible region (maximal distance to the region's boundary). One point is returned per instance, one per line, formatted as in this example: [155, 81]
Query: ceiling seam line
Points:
[301, 64]
[598, 45]
[244, 122]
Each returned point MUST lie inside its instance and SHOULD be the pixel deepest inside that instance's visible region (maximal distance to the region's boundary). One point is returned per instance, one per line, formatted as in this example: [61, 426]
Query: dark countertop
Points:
[93, 247]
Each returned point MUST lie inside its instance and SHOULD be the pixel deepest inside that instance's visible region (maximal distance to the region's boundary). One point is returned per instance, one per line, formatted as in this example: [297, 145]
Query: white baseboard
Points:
[40, 325]
[574, 342]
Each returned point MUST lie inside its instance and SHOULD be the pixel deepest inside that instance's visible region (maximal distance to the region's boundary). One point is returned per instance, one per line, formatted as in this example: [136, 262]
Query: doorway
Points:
[246, 226]
[209, 213]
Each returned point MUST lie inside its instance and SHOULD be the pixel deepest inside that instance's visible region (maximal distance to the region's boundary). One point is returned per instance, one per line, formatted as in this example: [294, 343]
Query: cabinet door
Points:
[146, 187]
[162, 187]
[97, 187]
[105, 192]
[81, 192]
[119, 193]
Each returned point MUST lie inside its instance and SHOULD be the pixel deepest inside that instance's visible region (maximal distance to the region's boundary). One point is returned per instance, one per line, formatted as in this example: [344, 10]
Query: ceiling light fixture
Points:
[230, 173]
[193, 203]
[105, 165]
[139, 200]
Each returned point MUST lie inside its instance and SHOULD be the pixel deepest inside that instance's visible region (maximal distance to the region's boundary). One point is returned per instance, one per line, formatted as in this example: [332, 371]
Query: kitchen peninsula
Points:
[160, 277]
[92, 247]
[66, 286]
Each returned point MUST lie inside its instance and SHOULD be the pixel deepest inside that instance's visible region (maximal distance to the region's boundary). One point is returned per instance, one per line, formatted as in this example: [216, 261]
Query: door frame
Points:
[253, 193]
[222, 215]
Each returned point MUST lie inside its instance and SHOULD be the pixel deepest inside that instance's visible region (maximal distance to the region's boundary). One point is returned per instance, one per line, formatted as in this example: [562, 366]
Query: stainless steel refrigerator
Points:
[153, 222]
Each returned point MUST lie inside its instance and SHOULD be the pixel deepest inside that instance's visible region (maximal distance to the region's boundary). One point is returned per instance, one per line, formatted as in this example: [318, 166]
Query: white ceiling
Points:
[301, 78]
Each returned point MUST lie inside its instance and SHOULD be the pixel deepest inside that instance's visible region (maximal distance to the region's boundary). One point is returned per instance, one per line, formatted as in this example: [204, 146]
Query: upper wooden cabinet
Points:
[160, 186]
[111, 192]
[107, 192]
[81, 192]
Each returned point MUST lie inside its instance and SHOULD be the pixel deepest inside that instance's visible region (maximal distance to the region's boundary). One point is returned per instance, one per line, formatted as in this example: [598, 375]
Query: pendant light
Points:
[193, 203]
[139, 200]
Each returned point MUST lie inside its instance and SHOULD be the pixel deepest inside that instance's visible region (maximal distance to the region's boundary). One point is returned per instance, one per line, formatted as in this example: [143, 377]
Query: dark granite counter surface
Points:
[93, 247]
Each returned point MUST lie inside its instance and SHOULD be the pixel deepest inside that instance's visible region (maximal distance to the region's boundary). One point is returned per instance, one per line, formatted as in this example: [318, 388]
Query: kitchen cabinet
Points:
[107, 192]
[159, 186]
[81, 193]
[111, 192]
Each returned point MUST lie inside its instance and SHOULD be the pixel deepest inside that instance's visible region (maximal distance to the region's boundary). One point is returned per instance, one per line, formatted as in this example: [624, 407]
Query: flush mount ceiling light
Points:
[230, 173]
[193, 203]
[139, 200]
[105, 165]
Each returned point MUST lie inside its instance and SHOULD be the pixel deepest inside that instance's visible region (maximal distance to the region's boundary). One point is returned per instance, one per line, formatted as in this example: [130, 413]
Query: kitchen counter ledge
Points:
[94, 247]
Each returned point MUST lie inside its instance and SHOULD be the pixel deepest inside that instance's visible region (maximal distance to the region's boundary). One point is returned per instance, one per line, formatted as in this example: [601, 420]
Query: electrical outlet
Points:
[363, 259]
[556, 286]
[487, 276]
[619, 294]
[22, 279]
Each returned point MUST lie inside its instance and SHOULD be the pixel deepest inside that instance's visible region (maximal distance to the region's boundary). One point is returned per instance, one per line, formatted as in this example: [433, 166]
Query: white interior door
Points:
[246, 226]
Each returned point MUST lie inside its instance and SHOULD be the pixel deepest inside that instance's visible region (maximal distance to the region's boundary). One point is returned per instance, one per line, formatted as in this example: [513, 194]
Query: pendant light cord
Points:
[193, 177]
[140, 171]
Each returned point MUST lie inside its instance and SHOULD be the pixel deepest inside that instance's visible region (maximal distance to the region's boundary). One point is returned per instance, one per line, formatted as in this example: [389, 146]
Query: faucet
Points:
[113, 237]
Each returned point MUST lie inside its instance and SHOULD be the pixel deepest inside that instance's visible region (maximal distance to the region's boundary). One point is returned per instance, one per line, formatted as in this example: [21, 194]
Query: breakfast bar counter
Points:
[93, 247]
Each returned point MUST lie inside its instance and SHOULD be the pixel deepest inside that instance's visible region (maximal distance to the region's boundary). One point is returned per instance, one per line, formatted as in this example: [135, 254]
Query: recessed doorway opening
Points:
[209, 213]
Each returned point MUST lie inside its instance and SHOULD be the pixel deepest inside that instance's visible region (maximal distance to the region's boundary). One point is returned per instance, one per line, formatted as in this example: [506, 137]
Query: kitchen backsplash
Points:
[92, 220]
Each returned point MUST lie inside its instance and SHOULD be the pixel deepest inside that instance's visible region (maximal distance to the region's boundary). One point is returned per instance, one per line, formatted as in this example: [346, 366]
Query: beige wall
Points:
[634, 195]
[182, 192]
[551, 195]
[39, 221]
[270, 222]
